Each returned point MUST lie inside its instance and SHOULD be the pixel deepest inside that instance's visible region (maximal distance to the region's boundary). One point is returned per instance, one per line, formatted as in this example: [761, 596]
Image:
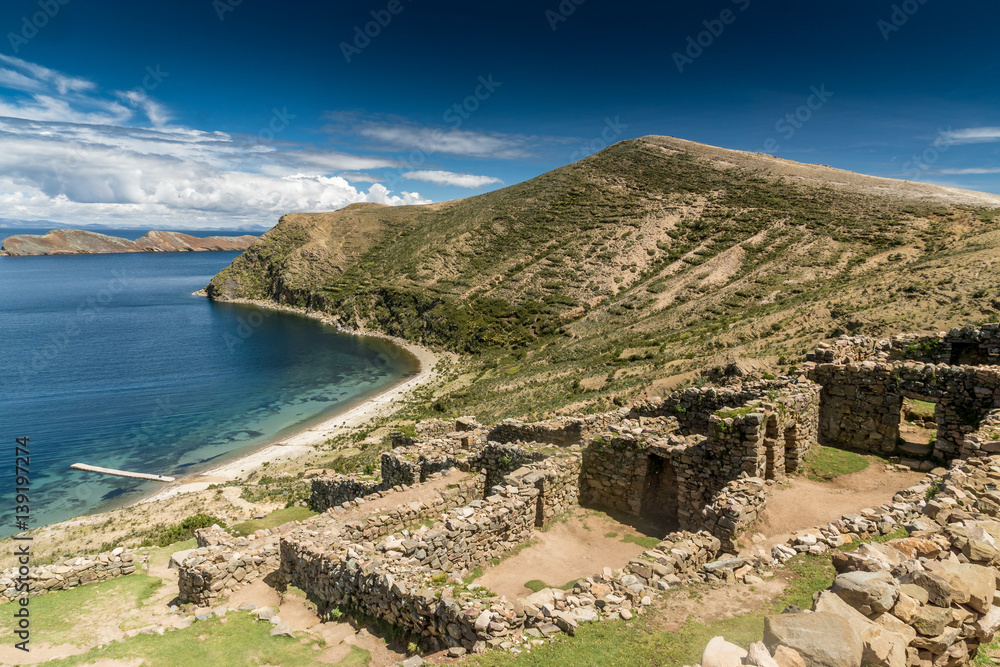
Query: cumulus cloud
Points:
[69, 152]
[451, 178]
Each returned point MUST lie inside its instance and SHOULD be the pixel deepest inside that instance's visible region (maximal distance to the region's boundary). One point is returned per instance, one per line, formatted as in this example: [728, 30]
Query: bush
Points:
[183, 530]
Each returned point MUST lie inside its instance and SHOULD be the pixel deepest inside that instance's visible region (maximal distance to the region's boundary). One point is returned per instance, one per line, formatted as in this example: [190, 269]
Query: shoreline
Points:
[303, 441]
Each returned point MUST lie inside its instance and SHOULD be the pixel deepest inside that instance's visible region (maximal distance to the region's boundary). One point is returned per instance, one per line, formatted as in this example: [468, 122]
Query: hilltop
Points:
[79, 241]
[628, 271]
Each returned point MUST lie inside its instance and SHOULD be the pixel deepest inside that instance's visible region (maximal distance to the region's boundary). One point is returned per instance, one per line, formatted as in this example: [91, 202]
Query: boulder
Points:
[882, 647]
[759, 656]
[822, 639]
[868, 592]
[720, 653]
[931, 621]
[972, 584]
[788, 657]
[178, 558]
[939, 591]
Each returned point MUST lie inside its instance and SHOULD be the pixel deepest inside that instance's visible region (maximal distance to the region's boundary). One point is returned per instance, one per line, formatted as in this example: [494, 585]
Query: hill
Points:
[79, 241]
[629, 271]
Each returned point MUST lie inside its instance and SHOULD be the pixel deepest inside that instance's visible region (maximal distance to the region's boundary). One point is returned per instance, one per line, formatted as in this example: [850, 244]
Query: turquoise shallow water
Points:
[109, 360]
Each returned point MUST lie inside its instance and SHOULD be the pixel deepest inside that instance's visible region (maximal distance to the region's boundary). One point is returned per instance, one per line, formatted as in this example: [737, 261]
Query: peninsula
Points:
[78, 241]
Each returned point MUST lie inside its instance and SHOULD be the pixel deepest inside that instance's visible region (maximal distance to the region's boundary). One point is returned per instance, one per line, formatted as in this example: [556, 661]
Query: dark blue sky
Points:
[232, 112]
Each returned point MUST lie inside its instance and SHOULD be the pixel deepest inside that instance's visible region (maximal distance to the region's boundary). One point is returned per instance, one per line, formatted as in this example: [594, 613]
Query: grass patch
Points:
[160, 556]
[815, 573]
[236, 639]
[55, 617]
[273, 520]
[536, 585]
[611, 534]
[826, 463]
[923, 409]
[982, 658]
[642, 540]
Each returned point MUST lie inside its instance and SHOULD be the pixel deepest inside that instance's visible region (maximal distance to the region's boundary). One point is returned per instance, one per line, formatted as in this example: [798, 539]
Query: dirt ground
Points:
[571, 549]
[802, 503]
[717, 604]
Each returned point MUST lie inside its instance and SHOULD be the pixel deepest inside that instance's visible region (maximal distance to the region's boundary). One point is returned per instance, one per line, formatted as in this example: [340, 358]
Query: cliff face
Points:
[77, 241]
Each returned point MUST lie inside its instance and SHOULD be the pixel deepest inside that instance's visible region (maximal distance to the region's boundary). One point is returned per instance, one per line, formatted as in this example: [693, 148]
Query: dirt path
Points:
[571, 549]
[804, 504]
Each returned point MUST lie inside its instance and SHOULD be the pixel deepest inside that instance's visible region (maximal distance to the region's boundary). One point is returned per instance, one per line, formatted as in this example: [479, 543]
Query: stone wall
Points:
[970, 346]
[733, 510]
[335, 490]
[396, 579]
[498, 460]
[69, 573]
[861, 403]
[561, 432]
[223, 564]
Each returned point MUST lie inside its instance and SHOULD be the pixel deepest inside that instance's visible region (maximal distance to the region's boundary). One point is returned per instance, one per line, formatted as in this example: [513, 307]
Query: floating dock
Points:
[121, 473]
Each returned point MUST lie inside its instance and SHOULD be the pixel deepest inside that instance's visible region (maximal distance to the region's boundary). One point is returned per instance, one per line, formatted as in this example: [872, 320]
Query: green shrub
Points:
[182, 531]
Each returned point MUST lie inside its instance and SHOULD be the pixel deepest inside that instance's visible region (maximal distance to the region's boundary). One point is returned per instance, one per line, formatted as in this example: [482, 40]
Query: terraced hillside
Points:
[629, 270]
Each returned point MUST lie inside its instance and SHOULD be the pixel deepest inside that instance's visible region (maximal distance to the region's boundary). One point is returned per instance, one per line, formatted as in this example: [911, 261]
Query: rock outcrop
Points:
[78, 241]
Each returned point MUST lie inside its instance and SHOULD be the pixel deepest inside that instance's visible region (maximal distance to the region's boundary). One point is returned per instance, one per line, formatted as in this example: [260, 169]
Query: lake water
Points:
[110, 360]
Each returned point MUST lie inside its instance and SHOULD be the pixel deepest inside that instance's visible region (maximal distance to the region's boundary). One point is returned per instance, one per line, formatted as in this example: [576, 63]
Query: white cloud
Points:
[70, 153]
[450, 141]
[971, 170]
[972, 135]
[451, 178]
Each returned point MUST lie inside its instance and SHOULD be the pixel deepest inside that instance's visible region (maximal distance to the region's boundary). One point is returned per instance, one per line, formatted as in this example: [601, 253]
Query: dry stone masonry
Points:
[70, 573]
[701, 461]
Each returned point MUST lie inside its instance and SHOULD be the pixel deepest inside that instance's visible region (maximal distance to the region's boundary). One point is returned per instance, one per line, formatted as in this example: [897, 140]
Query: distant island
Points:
[78, 241]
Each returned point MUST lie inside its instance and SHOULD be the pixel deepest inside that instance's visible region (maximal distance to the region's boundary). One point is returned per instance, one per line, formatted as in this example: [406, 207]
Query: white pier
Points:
[121, 473]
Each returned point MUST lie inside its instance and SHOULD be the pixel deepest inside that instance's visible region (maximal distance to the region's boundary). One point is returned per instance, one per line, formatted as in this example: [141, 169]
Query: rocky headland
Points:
[78, 241]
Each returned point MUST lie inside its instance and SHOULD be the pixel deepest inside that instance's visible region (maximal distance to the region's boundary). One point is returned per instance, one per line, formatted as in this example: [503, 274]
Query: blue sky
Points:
[228, 113]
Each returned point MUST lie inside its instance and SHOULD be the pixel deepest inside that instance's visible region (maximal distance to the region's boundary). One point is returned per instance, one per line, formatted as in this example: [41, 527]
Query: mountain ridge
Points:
[657, 250]
[79, 241]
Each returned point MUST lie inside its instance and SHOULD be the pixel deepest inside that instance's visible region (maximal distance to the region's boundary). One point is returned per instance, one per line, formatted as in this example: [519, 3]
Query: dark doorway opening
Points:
[659, 496]
[967, 354]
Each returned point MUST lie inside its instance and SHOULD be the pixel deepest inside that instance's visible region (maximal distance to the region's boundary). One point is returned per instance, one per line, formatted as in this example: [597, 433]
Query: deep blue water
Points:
[109, 360]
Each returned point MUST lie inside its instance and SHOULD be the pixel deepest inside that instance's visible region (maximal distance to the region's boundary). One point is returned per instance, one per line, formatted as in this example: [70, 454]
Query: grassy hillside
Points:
[625, 272]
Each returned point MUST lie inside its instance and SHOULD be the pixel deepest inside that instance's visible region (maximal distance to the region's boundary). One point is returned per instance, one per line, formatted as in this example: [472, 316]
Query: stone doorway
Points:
[774, 450]
[659, 495]
[918, 428]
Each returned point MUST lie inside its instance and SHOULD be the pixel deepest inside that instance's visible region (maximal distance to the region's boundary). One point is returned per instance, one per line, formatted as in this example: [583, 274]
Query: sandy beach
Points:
[303, 442]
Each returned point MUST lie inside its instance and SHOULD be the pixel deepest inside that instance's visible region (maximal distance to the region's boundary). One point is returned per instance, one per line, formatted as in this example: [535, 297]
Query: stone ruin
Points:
[865, 382]
[699, 460]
